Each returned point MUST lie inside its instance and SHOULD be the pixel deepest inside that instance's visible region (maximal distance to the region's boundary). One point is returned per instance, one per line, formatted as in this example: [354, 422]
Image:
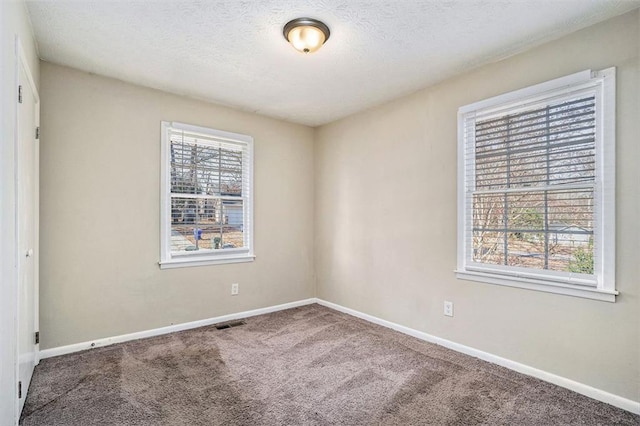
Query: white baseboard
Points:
[591, 392]
[76, 347]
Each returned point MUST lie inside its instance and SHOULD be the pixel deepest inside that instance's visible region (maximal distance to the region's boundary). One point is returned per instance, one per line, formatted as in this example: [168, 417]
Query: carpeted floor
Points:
[303, 366]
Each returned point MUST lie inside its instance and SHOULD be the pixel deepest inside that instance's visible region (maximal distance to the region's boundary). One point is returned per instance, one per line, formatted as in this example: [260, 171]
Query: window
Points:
[536, 187]
[206, 196]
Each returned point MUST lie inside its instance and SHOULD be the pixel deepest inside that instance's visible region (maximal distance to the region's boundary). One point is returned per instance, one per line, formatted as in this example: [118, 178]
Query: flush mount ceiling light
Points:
[306, 34]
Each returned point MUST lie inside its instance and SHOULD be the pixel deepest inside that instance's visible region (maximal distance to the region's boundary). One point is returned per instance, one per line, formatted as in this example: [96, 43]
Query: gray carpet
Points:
[303, 366]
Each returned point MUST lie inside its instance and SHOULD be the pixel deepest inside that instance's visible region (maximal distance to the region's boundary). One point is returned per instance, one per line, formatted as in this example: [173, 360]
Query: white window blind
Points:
[536, 182]
[207, 196]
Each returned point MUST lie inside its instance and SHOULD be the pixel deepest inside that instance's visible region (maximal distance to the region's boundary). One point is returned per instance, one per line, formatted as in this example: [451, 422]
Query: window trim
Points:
[603, 286]
[167, 260]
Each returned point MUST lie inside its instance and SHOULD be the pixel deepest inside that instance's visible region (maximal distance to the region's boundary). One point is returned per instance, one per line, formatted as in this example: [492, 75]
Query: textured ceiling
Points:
[233, 52]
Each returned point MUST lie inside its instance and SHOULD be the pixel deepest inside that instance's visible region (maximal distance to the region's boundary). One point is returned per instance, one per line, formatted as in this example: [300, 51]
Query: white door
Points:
[27, 226]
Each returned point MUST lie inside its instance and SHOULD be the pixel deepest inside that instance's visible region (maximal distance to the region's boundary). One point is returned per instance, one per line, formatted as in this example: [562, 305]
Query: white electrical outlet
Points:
[234, 289]
[448, 308]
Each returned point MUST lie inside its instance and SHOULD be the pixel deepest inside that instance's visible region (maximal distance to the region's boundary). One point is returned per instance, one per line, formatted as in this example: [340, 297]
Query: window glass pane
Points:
[186, 215]
[544, 230]
[551, 145]
[488, 247]
[184, 177]
[526, 250]
[488, 211]
[233, 229]
[205, 169]
[208, 164]
[231, 173]
[571, 230]
[205, 224]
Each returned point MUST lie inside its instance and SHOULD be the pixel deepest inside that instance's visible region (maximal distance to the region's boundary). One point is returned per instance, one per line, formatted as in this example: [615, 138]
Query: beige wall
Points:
[386, 221]
[100, 218]
[14, 21]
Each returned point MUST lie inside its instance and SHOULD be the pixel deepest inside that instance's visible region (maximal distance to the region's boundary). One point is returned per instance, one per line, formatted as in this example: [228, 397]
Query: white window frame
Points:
[205, 257]
[600, 285]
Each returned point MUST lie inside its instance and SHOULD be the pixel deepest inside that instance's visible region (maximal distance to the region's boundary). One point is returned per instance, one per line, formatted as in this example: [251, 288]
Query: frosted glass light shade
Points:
[305, 34]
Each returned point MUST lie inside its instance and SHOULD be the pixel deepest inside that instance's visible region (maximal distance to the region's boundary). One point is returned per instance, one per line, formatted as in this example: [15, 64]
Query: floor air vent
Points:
[230, 324]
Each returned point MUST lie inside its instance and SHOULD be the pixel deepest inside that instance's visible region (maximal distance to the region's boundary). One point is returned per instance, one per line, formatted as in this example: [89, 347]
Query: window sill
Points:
[186, 262]
[539, 285]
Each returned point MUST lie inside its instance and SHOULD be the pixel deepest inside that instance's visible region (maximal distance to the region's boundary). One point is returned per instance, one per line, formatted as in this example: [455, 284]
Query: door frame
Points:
[21, 62]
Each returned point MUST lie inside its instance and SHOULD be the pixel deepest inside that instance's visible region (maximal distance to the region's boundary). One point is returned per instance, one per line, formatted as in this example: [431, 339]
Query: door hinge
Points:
[19, 390]
[38, 132]
[37, 337]
[20, 94]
